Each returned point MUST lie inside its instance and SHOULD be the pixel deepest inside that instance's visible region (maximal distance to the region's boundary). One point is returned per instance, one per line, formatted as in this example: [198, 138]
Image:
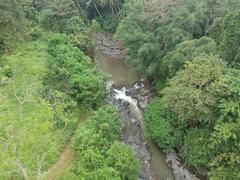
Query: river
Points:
[152, 160]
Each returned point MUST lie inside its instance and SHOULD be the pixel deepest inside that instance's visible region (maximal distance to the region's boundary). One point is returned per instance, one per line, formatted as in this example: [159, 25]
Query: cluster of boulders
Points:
[129, 101]
[110, 47]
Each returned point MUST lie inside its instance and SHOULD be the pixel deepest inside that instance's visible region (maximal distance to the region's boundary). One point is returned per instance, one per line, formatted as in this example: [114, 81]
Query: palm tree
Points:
[113, 5]
[95, 4]
[81, 10]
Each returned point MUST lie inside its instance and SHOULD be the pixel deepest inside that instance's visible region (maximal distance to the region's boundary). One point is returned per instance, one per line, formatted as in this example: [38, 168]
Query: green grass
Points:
[26, 139]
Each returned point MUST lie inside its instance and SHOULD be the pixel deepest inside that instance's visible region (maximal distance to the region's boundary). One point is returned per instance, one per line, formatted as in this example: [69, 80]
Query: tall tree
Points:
[12, 19]
[230, 45]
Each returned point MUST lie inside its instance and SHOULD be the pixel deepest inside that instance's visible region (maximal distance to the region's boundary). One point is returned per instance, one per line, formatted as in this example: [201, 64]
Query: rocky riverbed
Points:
[131, 102]
[131, 98]
[110, 46]
[127, 100]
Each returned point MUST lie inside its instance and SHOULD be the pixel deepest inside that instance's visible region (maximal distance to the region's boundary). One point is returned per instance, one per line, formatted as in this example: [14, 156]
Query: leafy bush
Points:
[195, 147]
[224, 173]
[36, 33]
[229, 105]
[224, 141]
[121, 158]
[103, 128]
[75, 25]
[97, 152]
[56, 40]
[62, 106]
[150, 33]
[194, 92]
[102, 174]
[186, 51]
[62, 16]
[161, 125]
[110, 24]
[73, 73]
[106, 122]
[229, 46]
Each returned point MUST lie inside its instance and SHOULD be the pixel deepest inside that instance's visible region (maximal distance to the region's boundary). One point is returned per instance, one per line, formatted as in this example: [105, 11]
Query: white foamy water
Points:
[180, 172]
[121, 94]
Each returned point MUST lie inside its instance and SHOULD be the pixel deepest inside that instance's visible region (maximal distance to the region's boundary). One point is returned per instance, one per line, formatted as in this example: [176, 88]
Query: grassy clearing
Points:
[28, 143]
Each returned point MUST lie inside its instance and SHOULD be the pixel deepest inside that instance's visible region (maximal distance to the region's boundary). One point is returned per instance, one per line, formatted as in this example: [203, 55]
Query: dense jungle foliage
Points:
[188, 49]
[48, 83]
[191, 48]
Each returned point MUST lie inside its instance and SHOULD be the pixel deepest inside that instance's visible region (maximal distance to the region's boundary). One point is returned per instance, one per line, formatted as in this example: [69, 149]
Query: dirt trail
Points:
[62, 162]
[66, 155]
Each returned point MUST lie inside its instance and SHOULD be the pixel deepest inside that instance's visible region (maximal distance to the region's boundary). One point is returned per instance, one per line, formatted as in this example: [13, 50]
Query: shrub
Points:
[186, 51]
[122, 159]
[98, 155]
[72, 72]
[195, 147]
[194, 92]
[162, 125]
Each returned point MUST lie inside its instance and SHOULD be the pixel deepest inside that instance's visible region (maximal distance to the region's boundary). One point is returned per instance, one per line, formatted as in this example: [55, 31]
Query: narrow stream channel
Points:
[121, 79]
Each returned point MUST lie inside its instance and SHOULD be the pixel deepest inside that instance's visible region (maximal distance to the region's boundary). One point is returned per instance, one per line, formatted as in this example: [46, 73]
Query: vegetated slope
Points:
[65, 159]
[28, 143]
[62, 162]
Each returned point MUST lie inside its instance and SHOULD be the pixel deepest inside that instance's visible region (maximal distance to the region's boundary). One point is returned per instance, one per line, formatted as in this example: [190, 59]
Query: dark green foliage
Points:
[206, 95]
[193, 93]
[232, 5]
[121, 158]
[13, 22]
[36, 33]
[106, 12]
[195, 147]
[162, 125]
[154, 29]
[62, 106]
[215, 30]
[229, 105]
[97, 152]
[110, 23]
[72, 72]
[107, 122]
[5, 71]
[230, 44]
[225, 143]
[62, 16]
[12, 16]
[186, 51]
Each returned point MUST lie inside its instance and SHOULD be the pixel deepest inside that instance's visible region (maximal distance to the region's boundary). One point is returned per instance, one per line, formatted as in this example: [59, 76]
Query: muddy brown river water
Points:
[119, 72]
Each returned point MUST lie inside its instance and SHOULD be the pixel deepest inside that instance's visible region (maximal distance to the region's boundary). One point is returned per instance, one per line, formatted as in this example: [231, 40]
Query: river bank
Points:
[130, 95]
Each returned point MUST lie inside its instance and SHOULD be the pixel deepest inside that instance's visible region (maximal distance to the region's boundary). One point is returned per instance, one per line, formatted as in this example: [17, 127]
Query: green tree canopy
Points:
[186, 51]
[230, 45]
[97, 152]
[193, 93]
[162, 125]
[13, 22]
[156, 28]
[72, 72]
